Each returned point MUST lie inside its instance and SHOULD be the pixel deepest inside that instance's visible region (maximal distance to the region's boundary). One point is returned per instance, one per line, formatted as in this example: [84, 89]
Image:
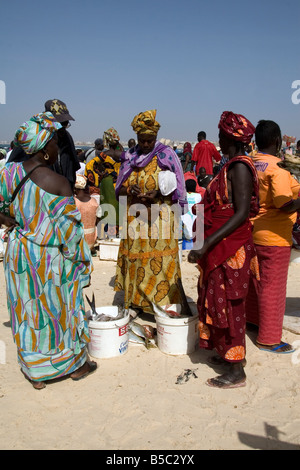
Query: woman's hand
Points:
[195, 255]
[149, 197]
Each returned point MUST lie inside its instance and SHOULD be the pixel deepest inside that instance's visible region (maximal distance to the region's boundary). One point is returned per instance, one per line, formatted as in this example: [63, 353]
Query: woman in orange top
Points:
[272, 235]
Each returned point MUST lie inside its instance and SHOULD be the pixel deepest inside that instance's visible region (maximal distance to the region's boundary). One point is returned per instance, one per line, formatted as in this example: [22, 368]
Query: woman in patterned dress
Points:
[47, 261]
[148, 260]
[228, 259]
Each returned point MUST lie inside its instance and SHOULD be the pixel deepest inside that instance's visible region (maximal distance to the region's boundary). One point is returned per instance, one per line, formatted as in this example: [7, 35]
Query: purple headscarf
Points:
[167, 159]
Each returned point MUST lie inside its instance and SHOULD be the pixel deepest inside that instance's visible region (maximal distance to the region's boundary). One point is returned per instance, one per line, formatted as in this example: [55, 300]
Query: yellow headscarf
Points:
[145, 123]
[110, 137]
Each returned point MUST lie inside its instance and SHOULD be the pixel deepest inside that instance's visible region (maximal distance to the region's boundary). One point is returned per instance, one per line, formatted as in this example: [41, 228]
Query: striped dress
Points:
[47, 264]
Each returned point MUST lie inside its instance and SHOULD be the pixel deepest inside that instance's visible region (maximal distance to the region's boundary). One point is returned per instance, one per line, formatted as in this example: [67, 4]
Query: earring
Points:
[46, 156]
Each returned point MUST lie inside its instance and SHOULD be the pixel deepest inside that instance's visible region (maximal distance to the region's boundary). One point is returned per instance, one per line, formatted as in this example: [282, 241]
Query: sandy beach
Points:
[132, 402]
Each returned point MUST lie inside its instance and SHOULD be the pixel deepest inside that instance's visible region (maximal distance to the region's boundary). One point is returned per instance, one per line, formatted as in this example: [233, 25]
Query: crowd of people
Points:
[56, 202]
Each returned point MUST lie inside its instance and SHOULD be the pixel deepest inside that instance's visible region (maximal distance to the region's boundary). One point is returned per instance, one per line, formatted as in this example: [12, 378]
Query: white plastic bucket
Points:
[108, 338]
[176, 336]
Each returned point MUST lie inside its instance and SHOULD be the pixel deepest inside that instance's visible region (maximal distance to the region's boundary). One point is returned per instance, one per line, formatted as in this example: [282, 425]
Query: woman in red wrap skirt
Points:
[227, 258]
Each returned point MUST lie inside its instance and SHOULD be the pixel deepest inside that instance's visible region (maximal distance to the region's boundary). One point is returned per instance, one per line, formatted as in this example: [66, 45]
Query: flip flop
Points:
[276, 350]
[226, 384]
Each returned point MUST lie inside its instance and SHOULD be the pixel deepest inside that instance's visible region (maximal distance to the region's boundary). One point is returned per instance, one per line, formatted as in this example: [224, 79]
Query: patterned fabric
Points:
[265, 303]
[237, 127]
[166, 158]
[95, 168]
[34, 134]
[110, 137]
[148, 262]
[225, 271]
[145, 123]
[47, 264]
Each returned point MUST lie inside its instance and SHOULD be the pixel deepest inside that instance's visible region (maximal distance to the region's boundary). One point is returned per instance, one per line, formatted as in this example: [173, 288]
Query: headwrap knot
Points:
[34, 134]
[145, 123]
[236, 126]
[110, 137]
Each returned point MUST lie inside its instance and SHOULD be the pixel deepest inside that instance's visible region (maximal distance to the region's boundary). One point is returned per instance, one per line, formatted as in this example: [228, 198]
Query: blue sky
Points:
[190, 60]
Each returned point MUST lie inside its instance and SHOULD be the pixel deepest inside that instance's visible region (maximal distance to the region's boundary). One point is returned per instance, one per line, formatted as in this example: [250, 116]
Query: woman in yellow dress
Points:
[148, 261]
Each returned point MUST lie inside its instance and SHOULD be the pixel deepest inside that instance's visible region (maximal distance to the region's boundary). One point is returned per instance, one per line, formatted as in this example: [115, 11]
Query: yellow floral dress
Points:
[148, 261]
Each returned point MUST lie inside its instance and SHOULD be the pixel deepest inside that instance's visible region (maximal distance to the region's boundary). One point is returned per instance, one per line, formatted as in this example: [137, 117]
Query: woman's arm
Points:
[187, 159]
[291, 207]
[242, 187]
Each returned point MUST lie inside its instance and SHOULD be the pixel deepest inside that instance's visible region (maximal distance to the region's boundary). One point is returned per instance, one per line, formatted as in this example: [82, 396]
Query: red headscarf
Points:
[237, 127]
[187, 148]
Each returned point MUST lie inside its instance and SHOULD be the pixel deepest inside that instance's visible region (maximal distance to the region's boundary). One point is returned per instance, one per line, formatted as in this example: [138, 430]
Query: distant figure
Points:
[105, 162]
[190, 175]
[89, 210]
[187, 157]
[188, 218]
[2, 158]
[81, 159]
[131, 143]
[204, 179]
[67, 163]
[11, 147]
[95, 151]
[204, 153]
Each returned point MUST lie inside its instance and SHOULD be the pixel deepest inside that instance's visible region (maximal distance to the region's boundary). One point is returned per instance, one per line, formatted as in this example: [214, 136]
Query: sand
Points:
[133, 403]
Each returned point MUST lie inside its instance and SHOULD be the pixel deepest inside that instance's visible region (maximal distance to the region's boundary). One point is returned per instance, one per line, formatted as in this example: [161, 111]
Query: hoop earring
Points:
[46, 156]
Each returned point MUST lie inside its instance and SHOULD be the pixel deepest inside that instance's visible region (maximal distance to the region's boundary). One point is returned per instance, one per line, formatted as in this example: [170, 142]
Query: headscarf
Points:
[236, 126]
[80, 182]
[34, 134]
[187, 148]
[145, 123]
[110, 137]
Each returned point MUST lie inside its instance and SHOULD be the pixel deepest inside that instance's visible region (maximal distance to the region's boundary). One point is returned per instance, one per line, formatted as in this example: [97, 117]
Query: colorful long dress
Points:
[225, 271]
[148, 260]
[47, 264]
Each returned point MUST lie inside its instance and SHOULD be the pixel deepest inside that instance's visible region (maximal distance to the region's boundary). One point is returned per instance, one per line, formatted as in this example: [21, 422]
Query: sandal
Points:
[37, 385]
[220, 382]
[275, 348]
[92, 366]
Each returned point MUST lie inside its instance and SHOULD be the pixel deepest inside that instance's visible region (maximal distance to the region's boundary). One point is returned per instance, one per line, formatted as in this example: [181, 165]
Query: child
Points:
[89, 209]
[188, 219]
